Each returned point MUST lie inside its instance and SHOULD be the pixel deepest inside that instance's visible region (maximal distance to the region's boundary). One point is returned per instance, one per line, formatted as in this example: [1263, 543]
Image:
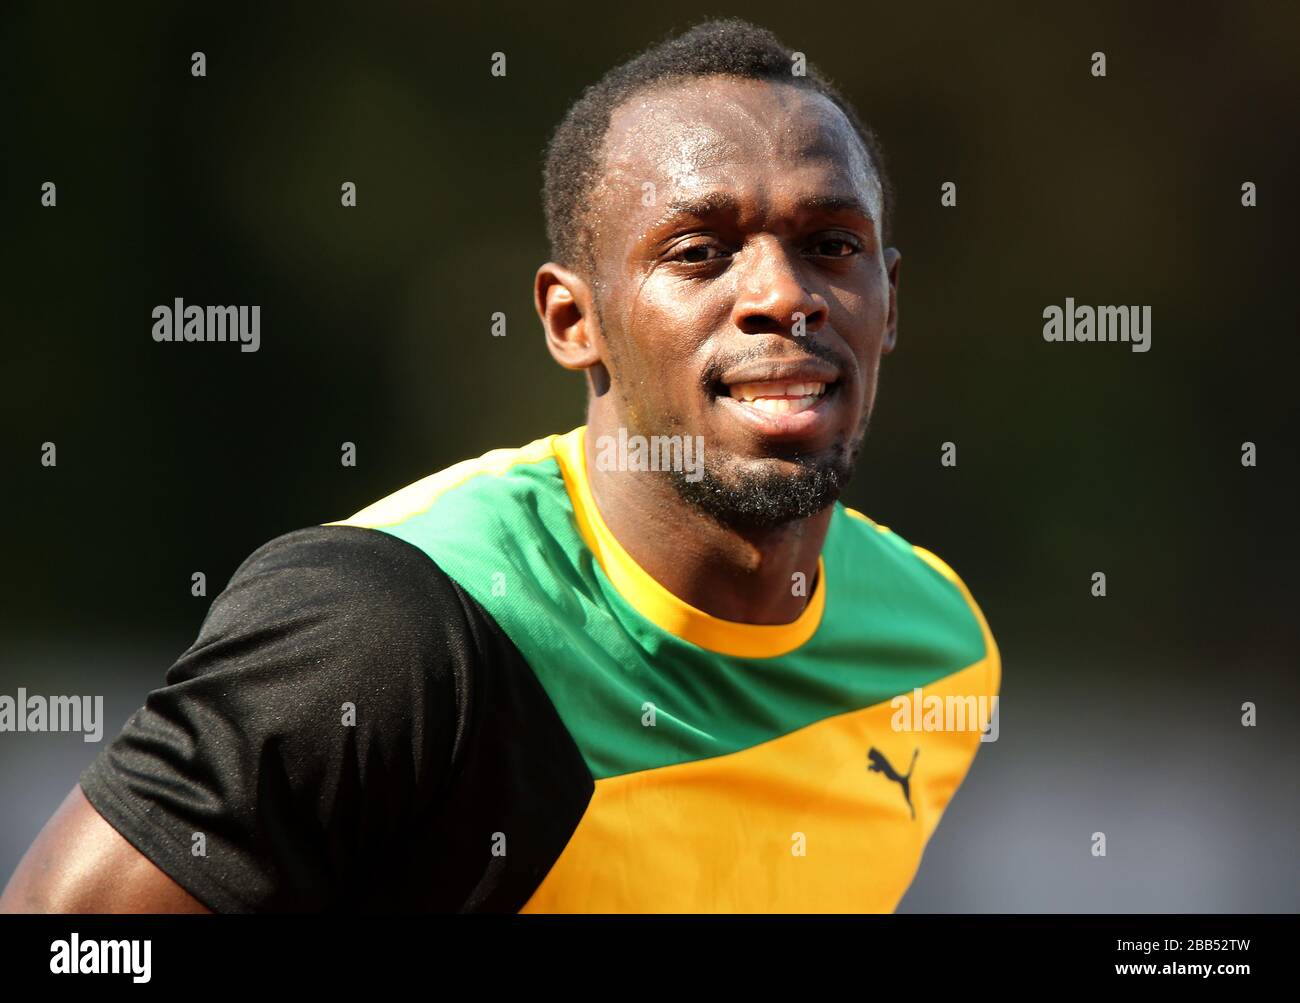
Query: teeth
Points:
[774, 392]
[781, 405]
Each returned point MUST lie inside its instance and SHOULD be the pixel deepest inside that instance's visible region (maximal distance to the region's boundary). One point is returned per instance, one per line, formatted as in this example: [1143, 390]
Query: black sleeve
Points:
[309, 732]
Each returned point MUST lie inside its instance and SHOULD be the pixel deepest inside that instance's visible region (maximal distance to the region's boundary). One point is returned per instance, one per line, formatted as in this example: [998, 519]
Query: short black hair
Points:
[727, 46]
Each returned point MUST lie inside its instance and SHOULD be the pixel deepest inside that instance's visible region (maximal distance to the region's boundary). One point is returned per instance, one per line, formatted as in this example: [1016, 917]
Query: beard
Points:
[748, 493]
[751, 494]
[758, 493]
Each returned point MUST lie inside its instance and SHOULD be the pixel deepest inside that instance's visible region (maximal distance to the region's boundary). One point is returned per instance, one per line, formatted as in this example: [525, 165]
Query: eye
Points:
[837, 246]
[696, 254]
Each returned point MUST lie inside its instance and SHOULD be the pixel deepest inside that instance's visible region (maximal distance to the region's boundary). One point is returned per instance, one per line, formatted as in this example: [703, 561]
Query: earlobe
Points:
[562, 299]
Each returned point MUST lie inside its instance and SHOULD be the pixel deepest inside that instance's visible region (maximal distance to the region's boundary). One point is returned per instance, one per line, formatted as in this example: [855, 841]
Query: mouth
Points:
[778, 397]
[781, 400]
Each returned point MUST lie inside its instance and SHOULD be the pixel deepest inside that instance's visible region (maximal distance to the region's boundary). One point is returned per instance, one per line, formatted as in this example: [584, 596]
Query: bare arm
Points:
[81, 864]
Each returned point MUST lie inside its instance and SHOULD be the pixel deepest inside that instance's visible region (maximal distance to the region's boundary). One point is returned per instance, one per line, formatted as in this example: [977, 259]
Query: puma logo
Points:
[879, 764]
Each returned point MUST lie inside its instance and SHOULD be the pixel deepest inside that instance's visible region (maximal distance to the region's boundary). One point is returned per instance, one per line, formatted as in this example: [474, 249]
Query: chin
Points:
[766, 493]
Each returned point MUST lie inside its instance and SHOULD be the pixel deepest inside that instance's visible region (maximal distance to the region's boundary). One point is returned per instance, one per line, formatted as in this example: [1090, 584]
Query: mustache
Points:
[789, 349]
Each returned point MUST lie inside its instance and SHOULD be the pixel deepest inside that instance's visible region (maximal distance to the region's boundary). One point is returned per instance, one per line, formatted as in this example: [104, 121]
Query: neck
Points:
[746, 576]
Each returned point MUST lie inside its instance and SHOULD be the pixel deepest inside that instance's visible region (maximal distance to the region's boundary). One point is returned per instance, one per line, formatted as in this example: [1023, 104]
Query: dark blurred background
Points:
[1119, 714]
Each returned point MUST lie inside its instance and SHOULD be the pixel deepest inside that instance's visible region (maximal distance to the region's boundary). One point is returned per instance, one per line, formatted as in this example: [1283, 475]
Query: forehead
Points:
[714, 131]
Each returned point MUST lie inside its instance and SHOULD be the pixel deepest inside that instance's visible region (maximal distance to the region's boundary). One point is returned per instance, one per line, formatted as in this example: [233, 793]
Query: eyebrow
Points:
[836, 203]
[720, 202]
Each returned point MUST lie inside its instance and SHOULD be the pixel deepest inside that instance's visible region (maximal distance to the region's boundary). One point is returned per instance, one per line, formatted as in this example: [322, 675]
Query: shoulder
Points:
[321, 711]
[498, 472]
[484, 521]
[348, 560]
[335, 578]
[332, 615]
[921, 585]
[909, 553]
[866, 533]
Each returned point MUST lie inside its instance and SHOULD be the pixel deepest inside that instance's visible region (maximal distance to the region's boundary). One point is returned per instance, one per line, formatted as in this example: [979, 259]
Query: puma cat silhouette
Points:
[879, 764]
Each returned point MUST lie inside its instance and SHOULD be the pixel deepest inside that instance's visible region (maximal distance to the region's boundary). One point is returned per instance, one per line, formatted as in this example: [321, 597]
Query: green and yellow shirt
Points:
[540, 726]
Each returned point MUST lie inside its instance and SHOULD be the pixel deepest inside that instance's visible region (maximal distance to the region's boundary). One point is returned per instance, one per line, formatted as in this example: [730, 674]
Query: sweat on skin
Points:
[749, 301]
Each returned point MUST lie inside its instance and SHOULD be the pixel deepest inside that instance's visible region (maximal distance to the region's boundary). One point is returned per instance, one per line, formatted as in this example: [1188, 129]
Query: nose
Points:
[770, 294]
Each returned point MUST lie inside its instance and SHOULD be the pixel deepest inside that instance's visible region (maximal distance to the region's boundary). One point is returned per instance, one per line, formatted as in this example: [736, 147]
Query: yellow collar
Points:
[656, 603]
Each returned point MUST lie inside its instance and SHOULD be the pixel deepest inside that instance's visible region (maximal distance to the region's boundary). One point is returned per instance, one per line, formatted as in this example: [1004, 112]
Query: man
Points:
[647, 665]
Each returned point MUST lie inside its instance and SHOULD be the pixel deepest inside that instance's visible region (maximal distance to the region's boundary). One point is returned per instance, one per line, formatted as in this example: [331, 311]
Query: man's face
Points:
[744, 293]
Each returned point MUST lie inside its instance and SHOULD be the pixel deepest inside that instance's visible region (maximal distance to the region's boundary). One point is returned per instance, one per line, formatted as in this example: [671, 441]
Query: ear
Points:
[563, 301]
[892, 258]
